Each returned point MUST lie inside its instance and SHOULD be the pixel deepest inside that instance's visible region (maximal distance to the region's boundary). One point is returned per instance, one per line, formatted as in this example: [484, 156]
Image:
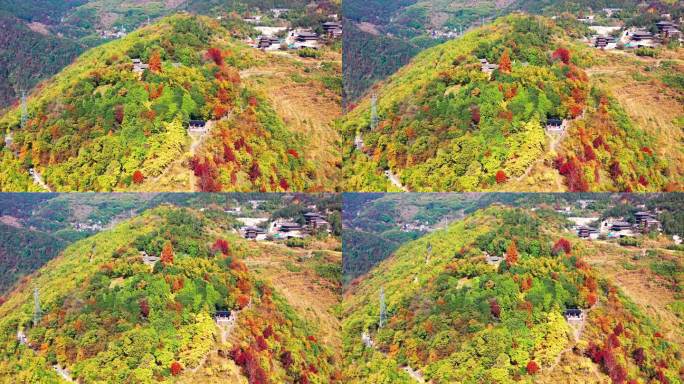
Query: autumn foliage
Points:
[155, 62]
[561, 54]
[176, 368]
[221, 245]
[562, 245]
[167, 254]
[501, 176]
[215, 55]
[532, 367]
[511, 254]
[505, 62]
[138, 177]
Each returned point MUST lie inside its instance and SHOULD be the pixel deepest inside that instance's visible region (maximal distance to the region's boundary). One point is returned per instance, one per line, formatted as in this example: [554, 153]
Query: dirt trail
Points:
[395, 180]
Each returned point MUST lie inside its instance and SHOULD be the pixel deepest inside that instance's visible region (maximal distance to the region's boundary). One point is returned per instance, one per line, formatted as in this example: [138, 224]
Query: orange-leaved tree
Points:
[167, 254]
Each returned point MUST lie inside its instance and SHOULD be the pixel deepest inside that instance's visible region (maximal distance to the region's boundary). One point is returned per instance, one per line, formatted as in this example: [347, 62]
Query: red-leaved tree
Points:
[176, 368]
[501, 176]
[562, 245]
[562, 54]
[138, 177]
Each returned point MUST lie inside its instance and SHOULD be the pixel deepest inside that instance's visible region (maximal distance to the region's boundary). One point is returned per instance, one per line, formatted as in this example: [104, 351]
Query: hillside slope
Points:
[398, 29]
[451, 315]
[101, 126]
[106, 315]
[444, 124]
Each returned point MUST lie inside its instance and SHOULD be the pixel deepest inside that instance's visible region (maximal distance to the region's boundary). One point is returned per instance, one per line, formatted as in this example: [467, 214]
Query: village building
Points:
[233, 211]
[668, 30]
[87, 227]
[588, 233]
[268, 43]
[646, 221]
[316, 222]
[586, 19]
[197, 126]
[573, 314]
[148, 260]
[253, 233]
[487, 67]
[619, 229]
[255, 19]
[256, 203]
[605, 42]
[302, 38]
[611, 11]
[139, 67]
[416, 226]
[639, 38]
[333, 29]
[283, 229]
[556, 124]
[492, 259]
[279, 12]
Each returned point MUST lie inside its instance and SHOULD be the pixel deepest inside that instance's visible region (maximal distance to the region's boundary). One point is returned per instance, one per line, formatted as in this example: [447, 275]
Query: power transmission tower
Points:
[374, 112]
[24, 109]
[383, 308]
[37, 312]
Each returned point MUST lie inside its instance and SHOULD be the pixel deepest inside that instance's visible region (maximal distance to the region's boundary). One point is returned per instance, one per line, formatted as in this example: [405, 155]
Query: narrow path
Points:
[226, 327]
[368, 342]
[63, 373]
[38, 180]
[395, 180]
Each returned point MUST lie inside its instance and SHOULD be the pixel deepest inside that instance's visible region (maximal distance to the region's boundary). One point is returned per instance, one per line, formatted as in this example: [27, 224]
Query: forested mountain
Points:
[65, 28]
[109, 314]
[491, 298]
[448, 122]
[23, 58]
[399, 29]
[34, 228]
[105, 124]
[376, 225]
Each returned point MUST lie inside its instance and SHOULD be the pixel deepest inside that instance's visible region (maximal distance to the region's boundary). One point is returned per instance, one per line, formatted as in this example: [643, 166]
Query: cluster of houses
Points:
[283, 229]
[280, 38]
[415, 226]
[110, 34]
[612, 227]
[88, 227]
[614, 36]
[445, 33]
